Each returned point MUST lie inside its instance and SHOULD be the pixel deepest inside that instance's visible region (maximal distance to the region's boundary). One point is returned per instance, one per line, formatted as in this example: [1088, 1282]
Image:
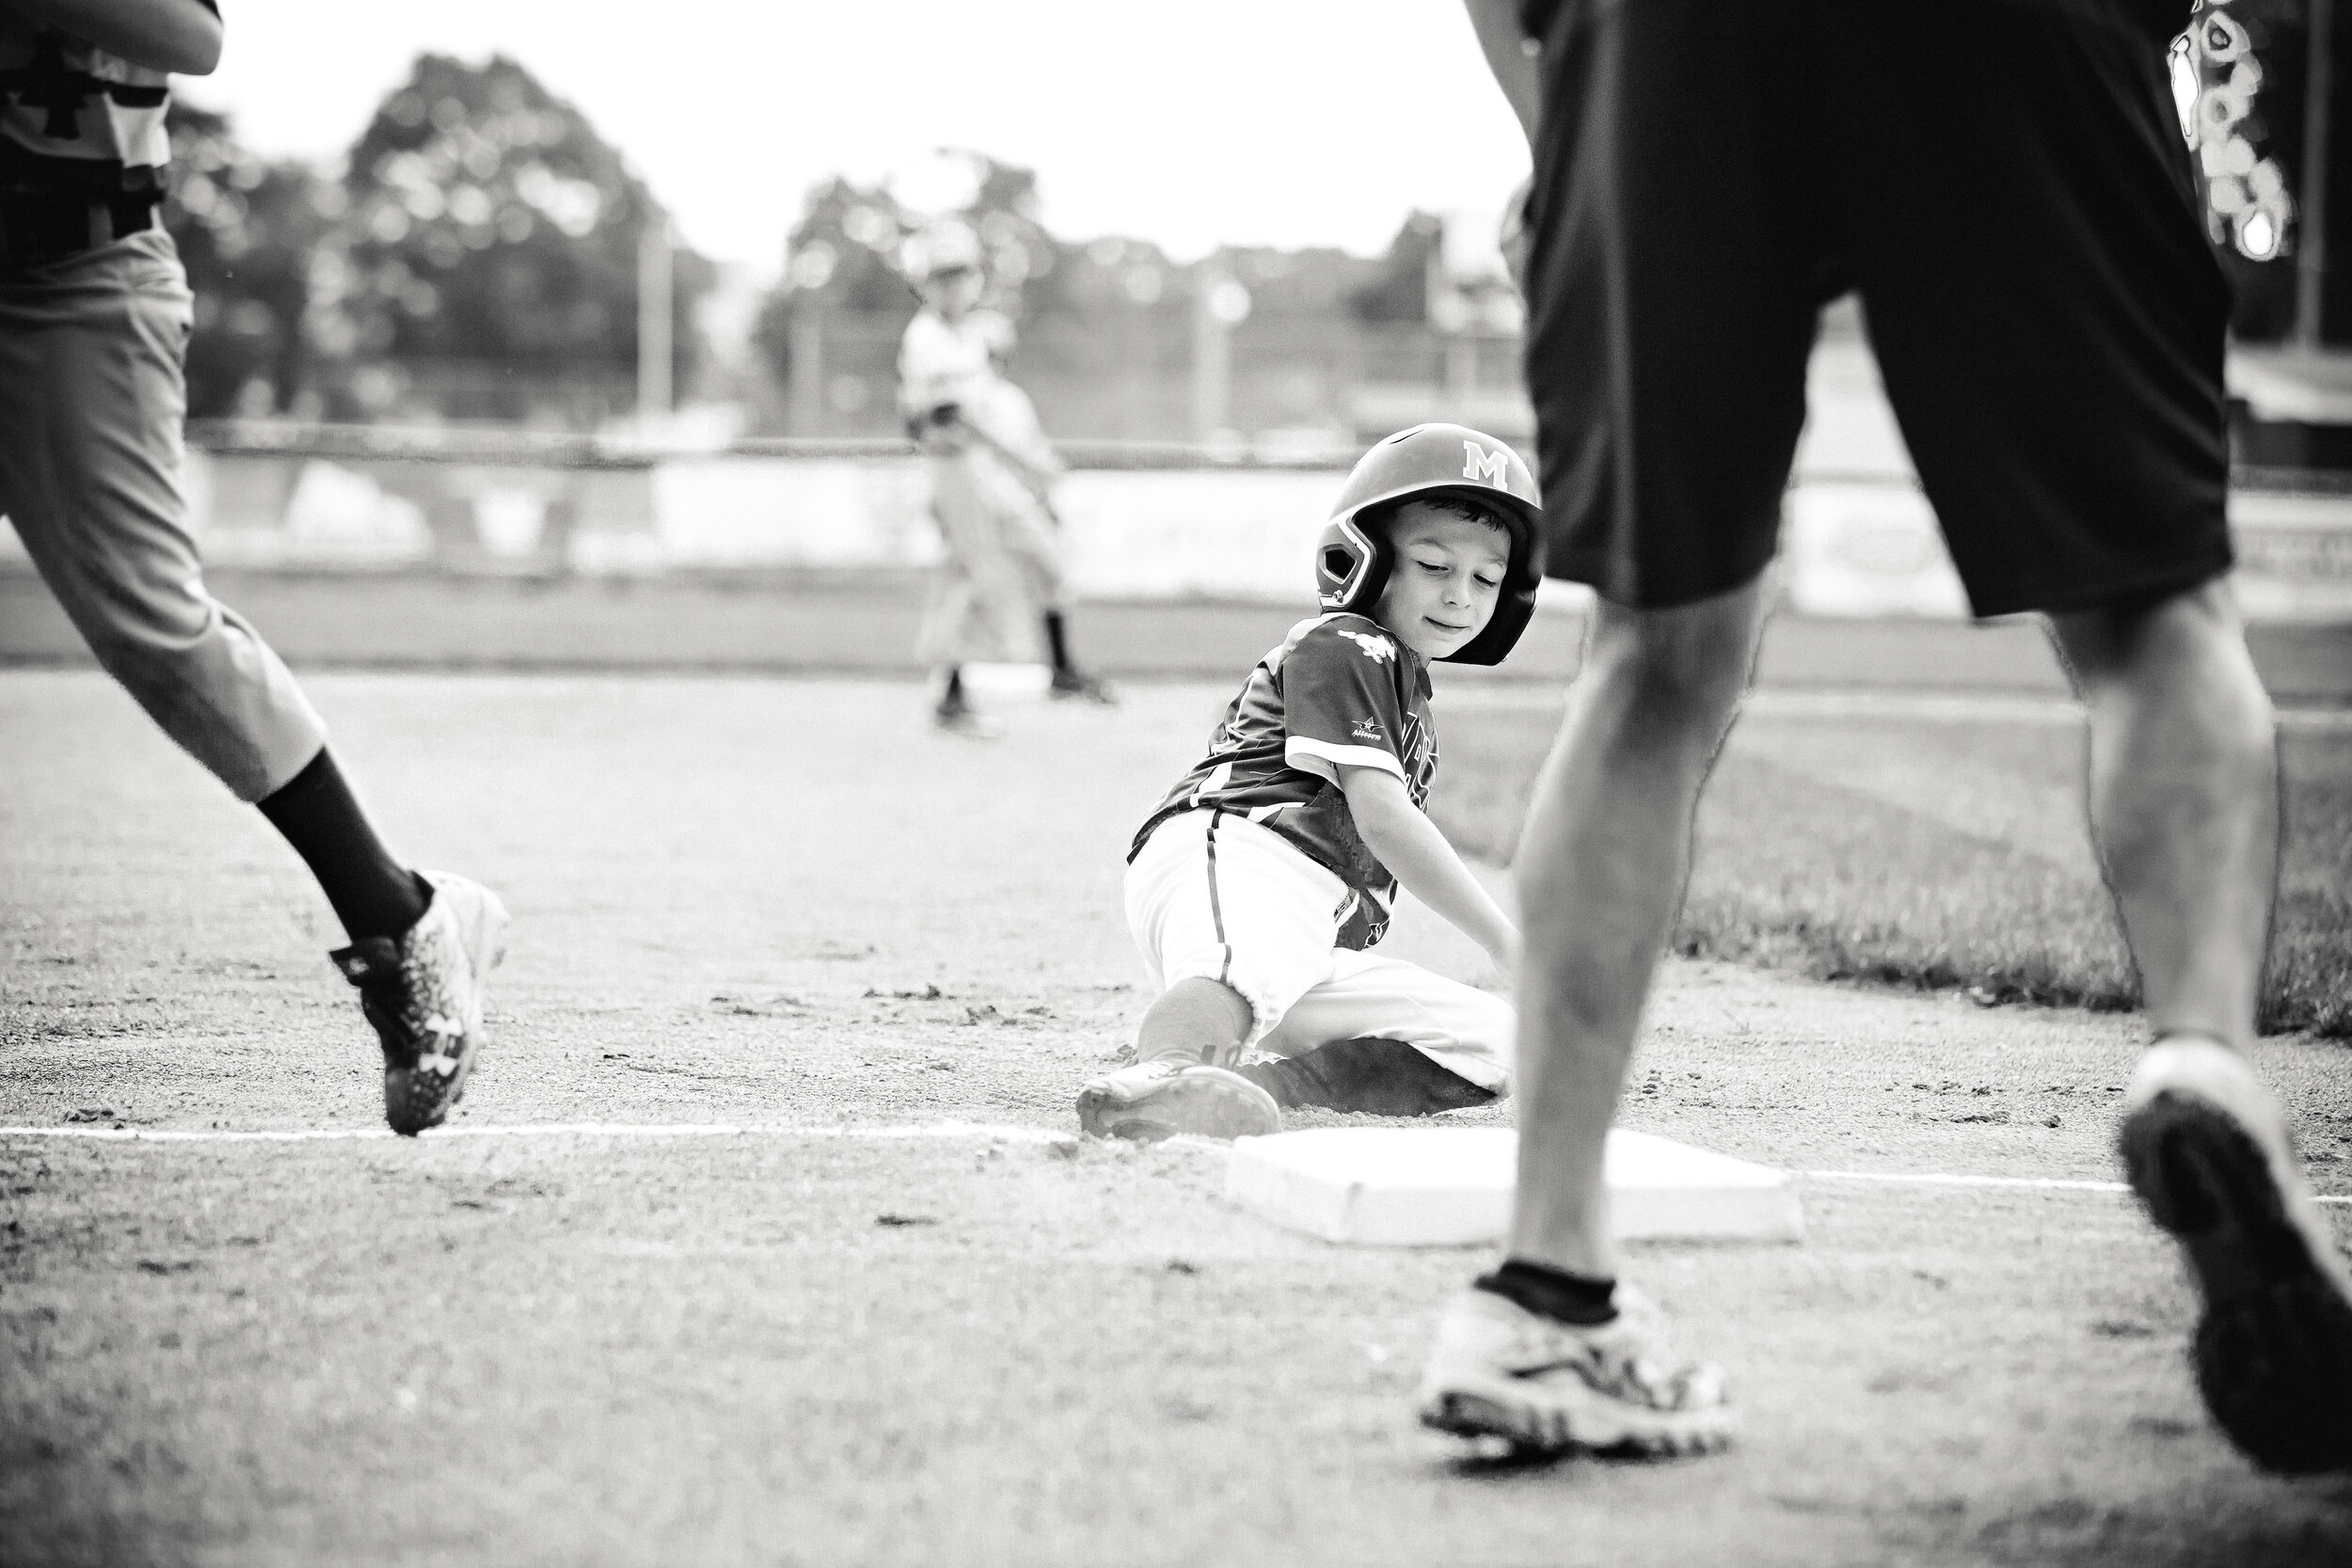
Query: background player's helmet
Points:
[943, 244]
[1352, 562]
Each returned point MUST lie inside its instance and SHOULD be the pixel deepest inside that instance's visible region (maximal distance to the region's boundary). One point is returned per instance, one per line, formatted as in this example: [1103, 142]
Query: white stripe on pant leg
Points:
[1258, 922]
[1216, 905]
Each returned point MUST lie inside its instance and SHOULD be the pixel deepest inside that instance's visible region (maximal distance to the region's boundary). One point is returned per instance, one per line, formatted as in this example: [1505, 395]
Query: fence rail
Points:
[1142, 519]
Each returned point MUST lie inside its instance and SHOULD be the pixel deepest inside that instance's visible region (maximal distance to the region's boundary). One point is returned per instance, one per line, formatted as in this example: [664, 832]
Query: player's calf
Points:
[422, 992]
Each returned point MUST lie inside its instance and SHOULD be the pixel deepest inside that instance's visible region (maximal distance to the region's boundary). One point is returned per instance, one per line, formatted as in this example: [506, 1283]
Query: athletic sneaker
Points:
[422, 991]
[2208, 1151]
[1499, 1371]
[1069, 683]
[1157, 1100]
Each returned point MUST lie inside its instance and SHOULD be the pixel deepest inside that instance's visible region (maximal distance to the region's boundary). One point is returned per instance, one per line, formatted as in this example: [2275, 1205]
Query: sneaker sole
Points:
[1202, 1106]
[2273, 1353]
[1464, 1414]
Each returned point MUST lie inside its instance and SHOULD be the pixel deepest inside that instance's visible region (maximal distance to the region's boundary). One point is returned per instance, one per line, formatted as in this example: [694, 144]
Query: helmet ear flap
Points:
[1350, 568]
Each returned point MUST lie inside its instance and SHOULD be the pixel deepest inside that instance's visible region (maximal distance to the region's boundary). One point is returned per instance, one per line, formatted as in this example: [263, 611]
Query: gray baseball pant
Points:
[93, 395]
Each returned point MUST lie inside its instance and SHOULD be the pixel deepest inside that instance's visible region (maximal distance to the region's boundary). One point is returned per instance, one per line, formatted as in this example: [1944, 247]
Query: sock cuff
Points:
[1555, 1293]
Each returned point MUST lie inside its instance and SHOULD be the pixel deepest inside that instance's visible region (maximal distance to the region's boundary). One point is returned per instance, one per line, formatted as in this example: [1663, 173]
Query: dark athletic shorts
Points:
[2004, 181]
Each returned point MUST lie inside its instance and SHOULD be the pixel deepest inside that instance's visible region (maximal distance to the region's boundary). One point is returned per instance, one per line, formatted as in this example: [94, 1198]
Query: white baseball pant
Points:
[1213, 895]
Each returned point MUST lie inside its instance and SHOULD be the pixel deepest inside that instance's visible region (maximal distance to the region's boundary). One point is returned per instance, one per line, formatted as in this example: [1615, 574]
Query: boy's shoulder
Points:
[1343, 629]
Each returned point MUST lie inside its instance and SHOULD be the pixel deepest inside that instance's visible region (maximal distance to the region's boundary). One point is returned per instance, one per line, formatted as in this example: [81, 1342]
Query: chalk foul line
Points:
[548, 1130]
[884, 1134]
[1930, 1178]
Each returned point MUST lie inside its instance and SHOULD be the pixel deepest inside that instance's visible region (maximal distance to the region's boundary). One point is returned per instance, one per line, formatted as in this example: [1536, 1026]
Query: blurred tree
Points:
[490, 228]
[246, 229]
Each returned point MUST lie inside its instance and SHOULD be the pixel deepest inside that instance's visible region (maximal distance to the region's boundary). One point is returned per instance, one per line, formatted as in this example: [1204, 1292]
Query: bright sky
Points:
[1287, 122]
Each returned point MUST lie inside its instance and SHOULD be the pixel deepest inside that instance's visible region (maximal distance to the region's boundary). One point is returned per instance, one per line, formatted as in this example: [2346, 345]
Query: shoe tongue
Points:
[369, 959]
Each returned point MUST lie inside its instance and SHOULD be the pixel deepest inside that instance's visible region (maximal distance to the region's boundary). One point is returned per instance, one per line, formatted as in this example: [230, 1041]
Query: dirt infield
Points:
[788, 906]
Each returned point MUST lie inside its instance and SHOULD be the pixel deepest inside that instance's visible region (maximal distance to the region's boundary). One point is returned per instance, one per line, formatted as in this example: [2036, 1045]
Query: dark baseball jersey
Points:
[73, 118]
[1339, 691]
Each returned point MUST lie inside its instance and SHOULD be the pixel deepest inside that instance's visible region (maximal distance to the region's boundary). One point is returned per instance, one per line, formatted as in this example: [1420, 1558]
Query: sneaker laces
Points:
[1624, 1358]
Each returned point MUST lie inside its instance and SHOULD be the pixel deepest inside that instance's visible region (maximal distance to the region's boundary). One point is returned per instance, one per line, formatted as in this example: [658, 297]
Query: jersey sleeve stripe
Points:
[1322, 758]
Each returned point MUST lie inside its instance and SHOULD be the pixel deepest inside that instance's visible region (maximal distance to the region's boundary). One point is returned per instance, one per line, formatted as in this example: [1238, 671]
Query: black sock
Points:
[1554, 1293]
[954, 691]
[1055, 641]
[374, 895]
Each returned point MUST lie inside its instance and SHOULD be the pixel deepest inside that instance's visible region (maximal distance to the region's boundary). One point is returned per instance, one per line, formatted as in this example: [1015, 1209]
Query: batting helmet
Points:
[1352, 562]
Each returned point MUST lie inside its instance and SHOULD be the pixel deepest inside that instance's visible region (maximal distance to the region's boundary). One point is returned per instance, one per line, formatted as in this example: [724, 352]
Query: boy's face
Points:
[952, 291]
[1448, 574]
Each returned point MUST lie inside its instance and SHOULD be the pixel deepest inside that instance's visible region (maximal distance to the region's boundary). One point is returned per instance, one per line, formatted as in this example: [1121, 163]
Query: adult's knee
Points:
[2182, 650]
[2168, 635]
[1679, 670]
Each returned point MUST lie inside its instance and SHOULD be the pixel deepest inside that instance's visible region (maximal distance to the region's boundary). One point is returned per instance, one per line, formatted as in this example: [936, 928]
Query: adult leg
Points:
[2050, 323]
[1602, 866]
[1546, 1352]
[1678, 257]
[2184, 796]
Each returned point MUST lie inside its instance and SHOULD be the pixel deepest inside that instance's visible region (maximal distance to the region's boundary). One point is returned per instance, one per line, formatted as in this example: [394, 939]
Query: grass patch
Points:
[1931, 854]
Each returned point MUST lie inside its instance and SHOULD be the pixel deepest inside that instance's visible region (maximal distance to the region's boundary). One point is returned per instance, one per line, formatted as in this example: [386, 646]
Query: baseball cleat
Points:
[1070, 685]
[2206, 1148]
[1543, 1387]
[422, 991]
[1158, 1099]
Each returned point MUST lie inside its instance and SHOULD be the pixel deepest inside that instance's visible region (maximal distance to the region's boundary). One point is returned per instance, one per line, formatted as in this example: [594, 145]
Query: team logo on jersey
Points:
[1377, 648]
[1491, 467]
[1366, 730]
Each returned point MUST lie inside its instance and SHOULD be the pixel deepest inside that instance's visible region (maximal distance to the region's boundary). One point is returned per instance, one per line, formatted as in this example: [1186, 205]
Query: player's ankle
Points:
[1576, 1299]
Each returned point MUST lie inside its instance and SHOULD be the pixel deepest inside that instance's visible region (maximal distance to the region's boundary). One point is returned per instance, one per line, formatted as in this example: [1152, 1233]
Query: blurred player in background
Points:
[993, 477]
[1257, 888]
[2008, 189]
[94, 320]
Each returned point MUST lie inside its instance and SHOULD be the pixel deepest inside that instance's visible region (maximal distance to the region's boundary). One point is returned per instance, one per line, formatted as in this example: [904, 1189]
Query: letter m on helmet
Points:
[1490, 466]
